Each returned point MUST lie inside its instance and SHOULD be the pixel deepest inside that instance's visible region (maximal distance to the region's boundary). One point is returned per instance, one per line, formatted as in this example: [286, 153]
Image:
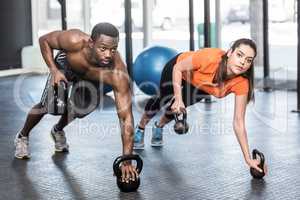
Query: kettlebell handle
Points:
[261, 156]
[57, 102]
[60, 84]
[183, 112]
[120, 159]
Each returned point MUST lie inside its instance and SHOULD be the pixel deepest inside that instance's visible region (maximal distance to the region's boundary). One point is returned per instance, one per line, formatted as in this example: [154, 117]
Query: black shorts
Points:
[83, 96]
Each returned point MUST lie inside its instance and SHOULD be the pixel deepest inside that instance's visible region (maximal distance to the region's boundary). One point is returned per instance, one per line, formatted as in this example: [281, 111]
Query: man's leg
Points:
[84, 100]
[58, 134]
[34, 116]
[63, 122]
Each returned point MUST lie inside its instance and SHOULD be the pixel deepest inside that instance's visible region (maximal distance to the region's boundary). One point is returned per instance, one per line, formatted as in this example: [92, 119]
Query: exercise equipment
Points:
[148, 66]
[181, 126]
[57, 99]
[130, 185]
[256, 174]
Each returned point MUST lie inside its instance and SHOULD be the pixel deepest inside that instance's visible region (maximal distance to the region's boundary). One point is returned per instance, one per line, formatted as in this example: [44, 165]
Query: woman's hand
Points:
[254, 164]
[177, 105]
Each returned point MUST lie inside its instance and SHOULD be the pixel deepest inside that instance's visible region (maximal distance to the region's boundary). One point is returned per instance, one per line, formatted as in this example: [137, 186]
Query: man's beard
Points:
[102, 64]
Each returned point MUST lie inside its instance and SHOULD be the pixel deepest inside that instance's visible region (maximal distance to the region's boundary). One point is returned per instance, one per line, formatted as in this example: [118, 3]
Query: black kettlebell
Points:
[131, 185]
[57, 99]
[256, 174]
[181, 126]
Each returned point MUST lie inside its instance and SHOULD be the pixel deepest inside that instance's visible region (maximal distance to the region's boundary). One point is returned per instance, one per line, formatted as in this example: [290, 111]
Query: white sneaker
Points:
[60, 141]
[22, 150]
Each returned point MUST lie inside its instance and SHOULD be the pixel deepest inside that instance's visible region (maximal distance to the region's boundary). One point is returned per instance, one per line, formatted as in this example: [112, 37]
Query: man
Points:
[85, 61]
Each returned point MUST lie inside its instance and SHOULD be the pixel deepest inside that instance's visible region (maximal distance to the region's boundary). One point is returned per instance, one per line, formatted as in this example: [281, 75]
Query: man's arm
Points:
[124, 108]
[119, 79]
[123, 95]
[70, 40]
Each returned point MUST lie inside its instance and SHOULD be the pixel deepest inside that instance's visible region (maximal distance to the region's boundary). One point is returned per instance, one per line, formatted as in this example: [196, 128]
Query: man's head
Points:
[104, 43]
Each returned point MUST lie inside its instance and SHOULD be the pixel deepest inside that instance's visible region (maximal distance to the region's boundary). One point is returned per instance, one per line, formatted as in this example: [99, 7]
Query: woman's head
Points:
[239, 61]
[240, 57]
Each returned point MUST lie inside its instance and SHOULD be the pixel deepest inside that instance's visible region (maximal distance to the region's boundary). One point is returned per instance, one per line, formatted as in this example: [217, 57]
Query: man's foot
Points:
[157, 136]
[138, 139]
[21, 144]
[60, 140]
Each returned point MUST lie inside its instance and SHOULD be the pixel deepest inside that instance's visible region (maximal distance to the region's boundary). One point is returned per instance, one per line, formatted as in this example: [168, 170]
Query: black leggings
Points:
[190, 94]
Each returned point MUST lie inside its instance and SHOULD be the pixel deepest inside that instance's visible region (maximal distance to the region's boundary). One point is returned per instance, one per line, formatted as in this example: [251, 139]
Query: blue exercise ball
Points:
[148, 66]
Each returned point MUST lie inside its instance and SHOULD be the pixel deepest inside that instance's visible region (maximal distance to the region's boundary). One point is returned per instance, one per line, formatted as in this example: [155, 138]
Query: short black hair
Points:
[105, 29]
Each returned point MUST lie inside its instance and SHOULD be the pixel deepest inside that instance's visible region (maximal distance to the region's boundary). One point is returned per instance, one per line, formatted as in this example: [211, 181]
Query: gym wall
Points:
[16, 31]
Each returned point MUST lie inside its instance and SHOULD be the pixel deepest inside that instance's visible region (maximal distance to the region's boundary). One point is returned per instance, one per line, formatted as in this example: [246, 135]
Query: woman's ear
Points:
[229, 53]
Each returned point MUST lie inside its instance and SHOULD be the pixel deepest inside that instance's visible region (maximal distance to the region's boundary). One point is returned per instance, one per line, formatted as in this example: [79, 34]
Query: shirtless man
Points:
[84, 61]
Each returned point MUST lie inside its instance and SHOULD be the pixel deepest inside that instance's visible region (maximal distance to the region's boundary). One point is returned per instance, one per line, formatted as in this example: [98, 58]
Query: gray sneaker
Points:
[60, 141]
[22, 150]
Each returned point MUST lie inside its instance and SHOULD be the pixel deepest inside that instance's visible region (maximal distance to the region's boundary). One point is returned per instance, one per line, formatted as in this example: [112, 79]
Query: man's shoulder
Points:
[75, 40]
[77, 32]
[118, 61]
[76, 35]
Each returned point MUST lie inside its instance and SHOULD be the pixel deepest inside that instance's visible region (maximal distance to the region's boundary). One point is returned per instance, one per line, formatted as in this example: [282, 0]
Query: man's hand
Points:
[57, 76]
[128, 172]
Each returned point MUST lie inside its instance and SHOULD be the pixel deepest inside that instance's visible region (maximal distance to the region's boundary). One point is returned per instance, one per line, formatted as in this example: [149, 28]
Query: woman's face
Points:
[239, 60]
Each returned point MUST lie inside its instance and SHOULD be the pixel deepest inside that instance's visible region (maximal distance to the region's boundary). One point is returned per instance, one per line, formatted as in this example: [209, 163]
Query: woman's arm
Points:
[240, 129]
[184, 65]
[239, 124]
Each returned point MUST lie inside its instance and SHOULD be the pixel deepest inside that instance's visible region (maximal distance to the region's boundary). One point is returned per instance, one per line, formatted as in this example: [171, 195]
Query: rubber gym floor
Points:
[206, 163]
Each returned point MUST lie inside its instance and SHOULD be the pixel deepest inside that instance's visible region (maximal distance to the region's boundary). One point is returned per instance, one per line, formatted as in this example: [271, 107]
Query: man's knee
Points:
[38, 106]
[38, 109]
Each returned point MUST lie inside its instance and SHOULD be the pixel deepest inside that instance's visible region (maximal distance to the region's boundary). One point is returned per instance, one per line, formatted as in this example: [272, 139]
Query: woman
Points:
[189, 76]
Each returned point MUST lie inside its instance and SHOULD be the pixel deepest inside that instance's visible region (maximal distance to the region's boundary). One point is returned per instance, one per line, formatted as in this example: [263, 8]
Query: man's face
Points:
[104, 49]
